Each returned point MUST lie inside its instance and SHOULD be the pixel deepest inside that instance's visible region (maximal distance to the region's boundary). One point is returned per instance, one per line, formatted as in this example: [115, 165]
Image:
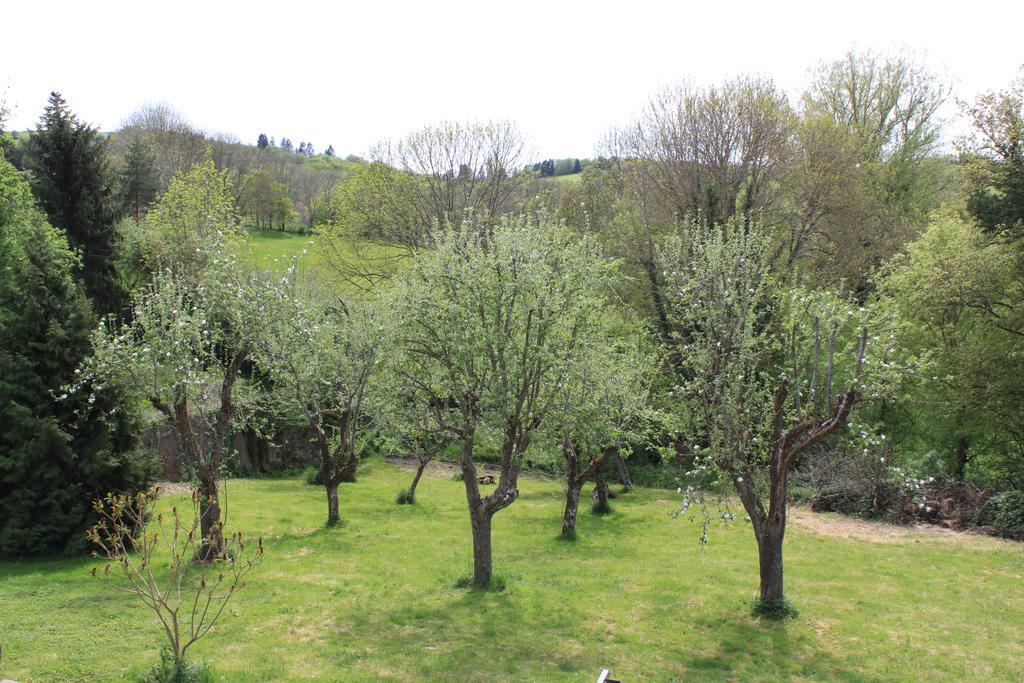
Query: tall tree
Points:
[71, 177]
[183, 353]
[766, 374]
[140, 181]
[492, 320]
[60, 447]
[462, 170]
[994, 152]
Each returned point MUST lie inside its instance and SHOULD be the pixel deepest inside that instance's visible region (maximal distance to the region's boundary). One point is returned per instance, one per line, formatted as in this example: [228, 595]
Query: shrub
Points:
[774, 610]
[1005, 513]
[170, 670]
[162, 560]
[405, 497]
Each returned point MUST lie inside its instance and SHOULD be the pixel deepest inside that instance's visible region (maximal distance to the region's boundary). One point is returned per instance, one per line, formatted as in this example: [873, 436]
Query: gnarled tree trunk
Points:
[573, 487]
[416, 479]
[572, 506]
[333, 515]
[624, 478]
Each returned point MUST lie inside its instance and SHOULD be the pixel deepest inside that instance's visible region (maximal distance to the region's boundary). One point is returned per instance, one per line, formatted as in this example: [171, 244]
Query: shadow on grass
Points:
[746, 645]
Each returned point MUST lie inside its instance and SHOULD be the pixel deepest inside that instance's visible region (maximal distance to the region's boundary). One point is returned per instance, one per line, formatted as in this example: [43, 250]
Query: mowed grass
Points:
[375, 599]
[274, 251]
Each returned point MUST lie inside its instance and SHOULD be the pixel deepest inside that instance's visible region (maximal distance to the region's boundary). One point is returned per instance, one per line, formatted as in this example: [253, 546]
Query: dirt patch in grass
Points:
[882, 532]
[173, 488]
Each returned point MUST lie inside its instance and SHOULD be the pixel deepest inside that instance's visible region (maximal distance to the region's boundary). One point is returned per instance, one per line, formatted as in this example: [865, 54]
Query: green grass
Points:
[564, 179]
[273, 251]
[376, 599]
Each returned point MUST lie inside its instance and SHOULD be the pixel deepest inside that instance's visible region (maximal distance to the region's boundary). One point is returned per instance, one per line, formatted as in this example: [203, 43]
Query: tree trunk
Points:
[482, 562]
[209, 516]
[348, 470]
[960, 462]
[416, 479]
[601, 505]
[332, 504]
[620, 465]
[572, 506]
[769, 550]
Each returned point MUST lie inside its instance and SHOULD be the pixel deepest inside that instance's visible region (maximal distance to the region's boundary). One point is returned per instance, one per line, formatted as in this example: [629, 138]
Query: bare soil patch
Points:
[827, 524]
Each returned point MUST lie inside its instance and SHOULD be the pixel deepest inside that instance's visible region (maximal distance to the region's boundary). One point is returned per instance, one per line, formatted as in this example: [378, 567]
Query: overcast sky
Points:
[350, 74]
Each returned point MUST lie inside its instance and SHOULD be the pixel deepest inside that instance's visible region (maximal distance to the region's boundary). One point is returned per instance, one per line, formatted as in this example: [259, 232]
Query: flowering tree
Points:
[323, 357]
[183, 352]
[603, 407]
[768, 373]
[492, 320]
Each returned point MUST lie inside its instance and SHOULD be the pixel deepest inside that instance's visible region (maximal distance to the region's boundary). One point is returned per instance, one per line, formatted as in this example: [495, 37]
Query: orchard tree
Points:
[408, 422]
[323, 358]
[492, 321]
[183, 353]
[767, 374]
[71, 177]
[603, 407]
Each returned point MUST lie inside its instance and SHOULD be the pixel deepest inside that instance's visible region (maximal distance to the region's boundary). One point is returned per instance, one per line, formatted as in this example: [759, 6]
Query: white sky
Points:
[352, 73]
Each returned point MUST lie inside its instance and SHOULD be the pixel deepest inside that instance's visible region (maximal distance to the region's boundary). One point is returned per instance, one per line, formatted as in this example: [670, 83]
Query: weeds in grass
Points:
[774, 610]
[601, 507]
[405, 497]
[171, 670]
[497, 584]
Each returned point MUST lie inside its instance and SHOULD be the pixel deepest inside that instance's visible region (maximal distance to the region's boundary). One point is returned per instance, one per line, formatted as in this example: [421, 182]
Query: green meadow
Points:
[375, 599]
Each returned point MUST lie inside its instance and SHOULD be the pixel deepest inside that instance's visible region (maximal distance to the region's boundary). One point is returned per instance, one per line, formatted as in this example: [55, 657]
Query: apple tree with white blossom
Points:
[768, 372]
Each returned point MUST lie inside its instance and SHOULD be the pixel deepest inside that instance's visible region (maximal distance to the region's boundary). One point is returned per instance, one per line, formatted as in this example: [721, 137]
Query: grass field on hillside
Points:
[375, 599]
[273, 251]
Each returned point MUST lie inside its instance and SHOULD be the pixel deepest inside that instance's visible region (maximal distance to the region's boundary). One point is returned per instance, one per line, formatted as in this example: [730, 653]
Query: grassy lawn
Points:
[374, 600]
[273, 251]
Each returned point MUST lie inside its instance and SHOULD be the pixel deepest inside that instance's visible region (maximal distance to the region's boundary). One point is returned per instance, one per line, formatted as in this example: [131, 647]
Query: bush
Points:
[656, 476]
[1004, 512]
[167, 670]
[405, 497]
[774, 610]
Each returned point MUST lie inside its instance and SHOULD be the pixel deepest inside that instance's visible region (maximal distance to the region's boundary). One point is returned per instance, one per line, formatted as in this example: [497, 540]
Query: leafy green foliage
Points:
[1005, 512]
[59, 448]
[72, 179]
[956, 289]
